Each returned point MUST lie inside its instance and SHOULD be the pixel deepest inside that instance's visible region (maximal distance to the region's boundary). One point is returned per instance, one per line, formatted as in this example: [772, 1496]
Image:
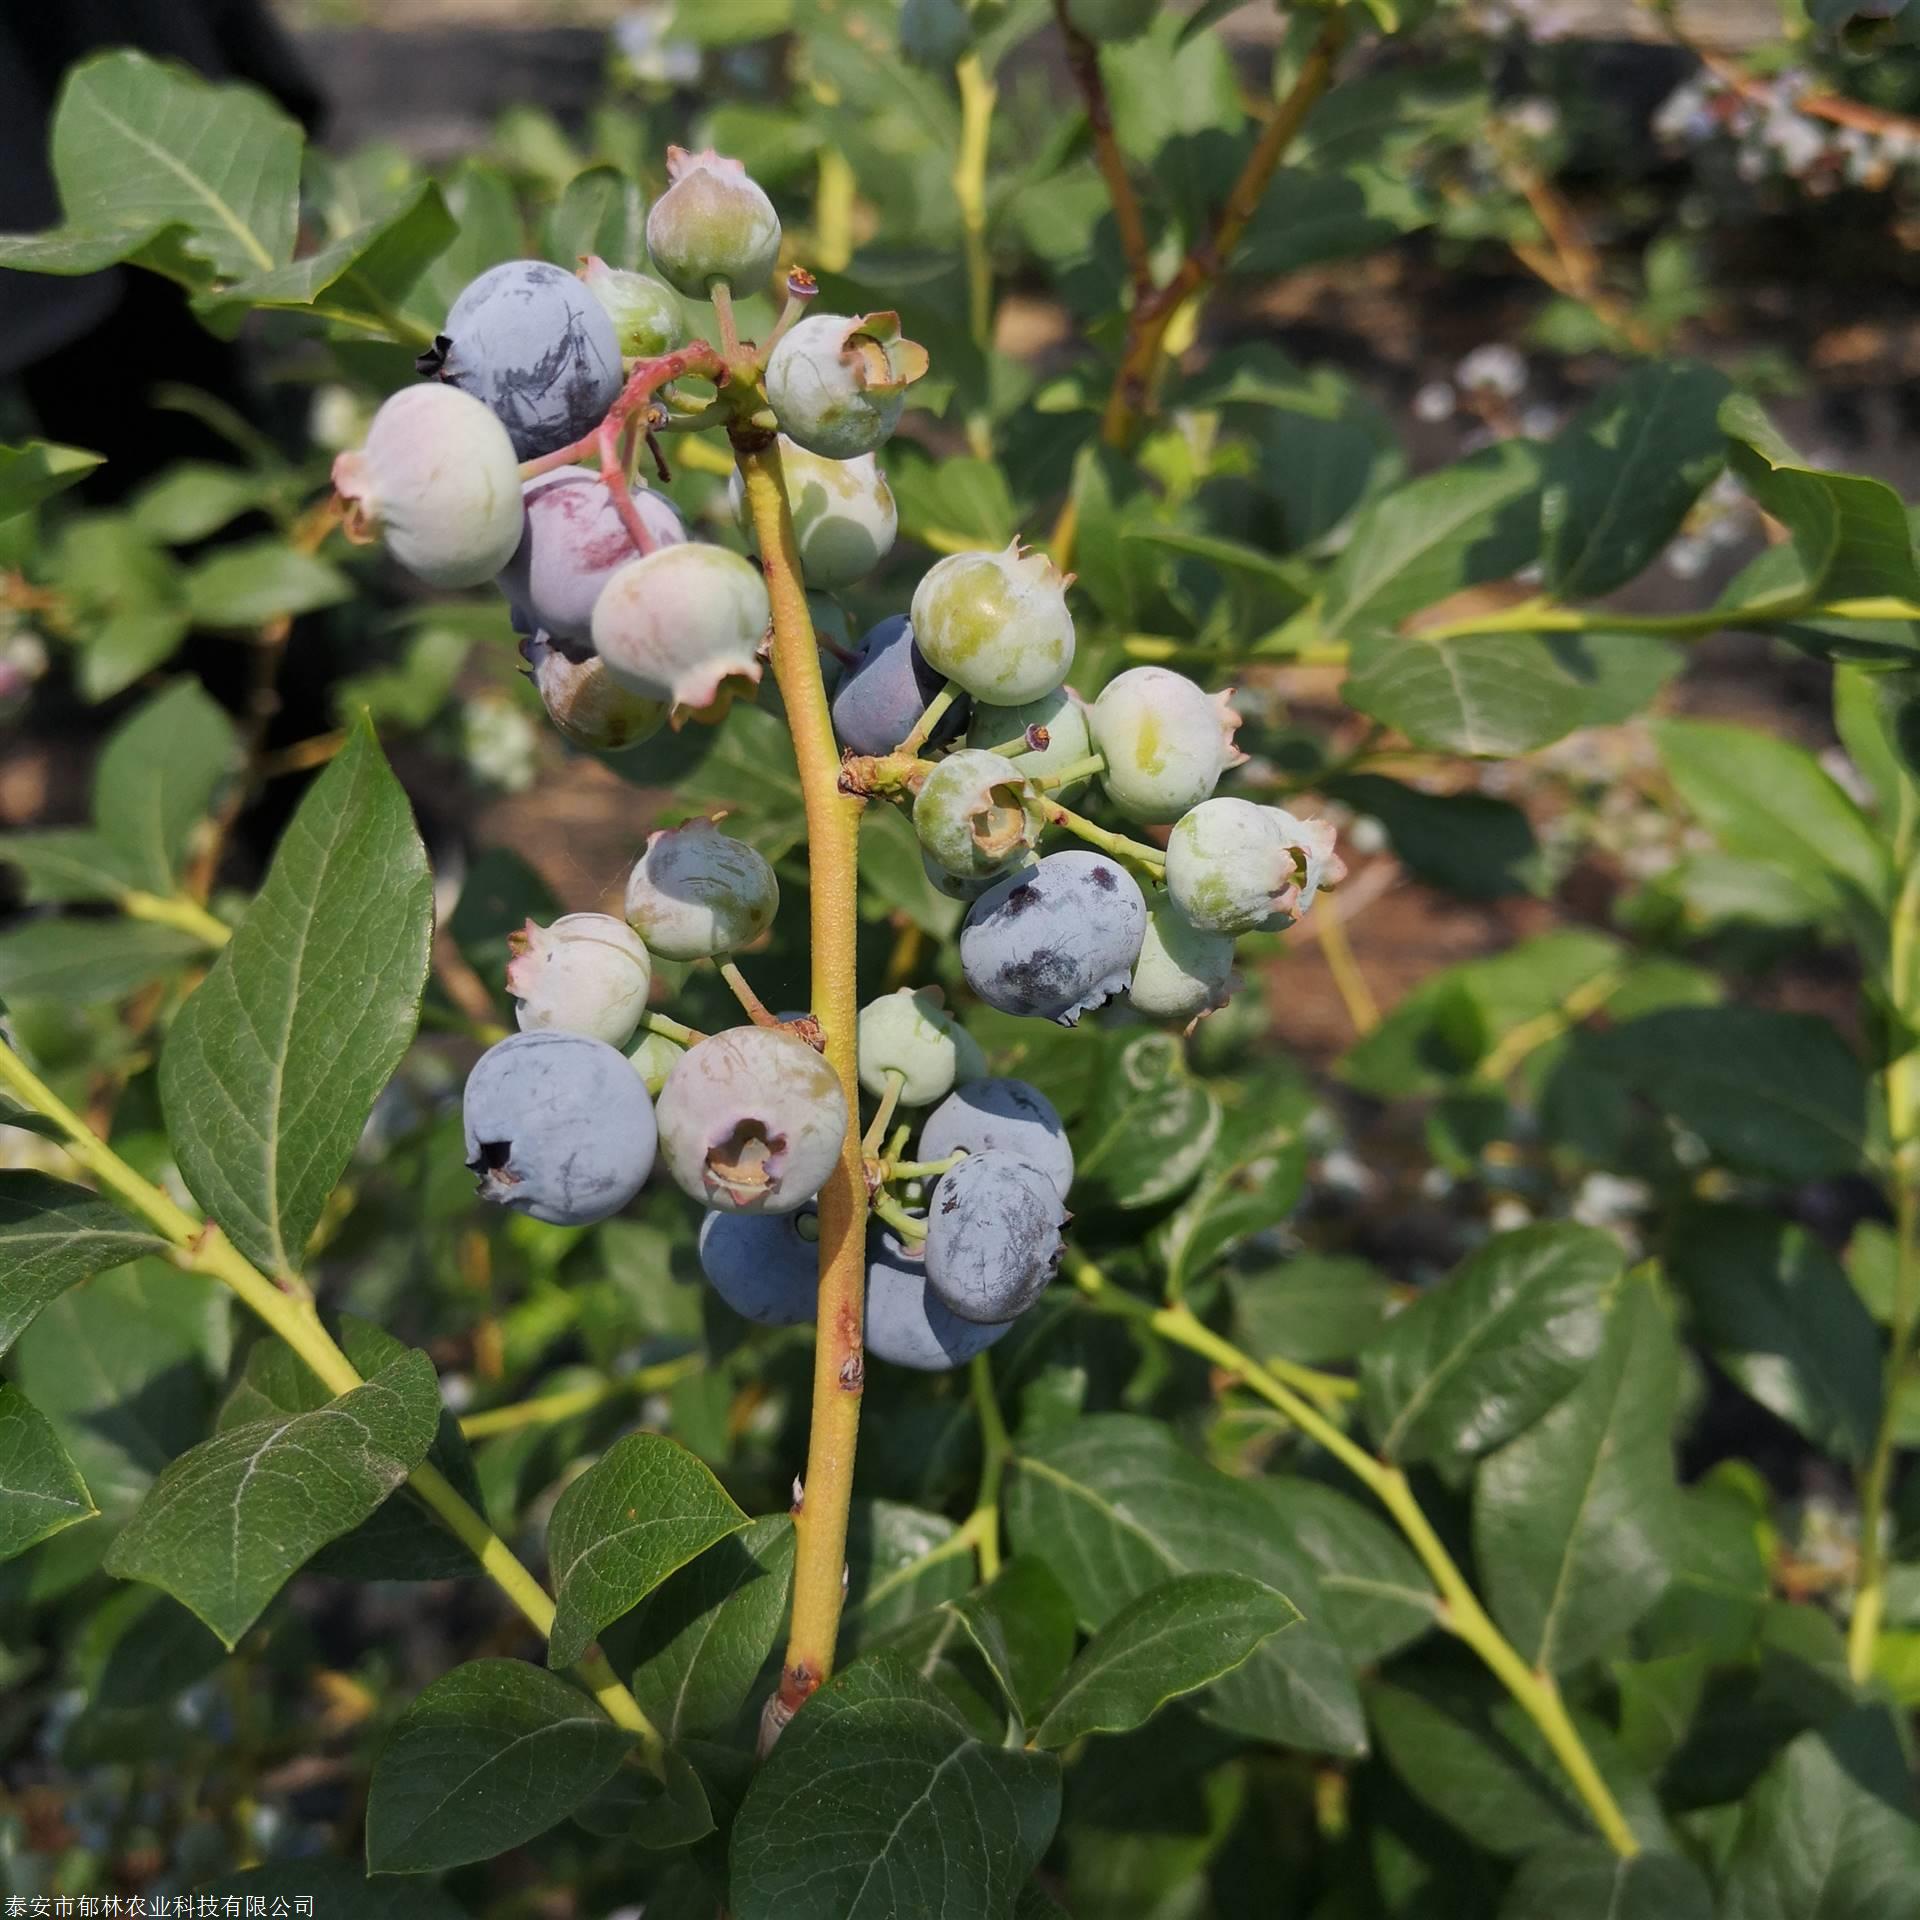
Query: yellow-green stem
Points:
[977, 96]
[1131, 853]
[930, 718]
[545, 1408]
[287, 1308]
[1535, 1693]
[882, 1115]
[908, 1226]
[176, 910]
[996, 1447]
[833, 851]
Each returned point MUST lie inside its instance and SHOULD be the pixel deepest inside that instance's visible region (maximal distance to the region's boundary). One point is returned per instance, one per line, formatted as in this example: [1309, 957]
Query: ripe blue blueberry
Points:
[910, 1033]
[996, 622]
[836, 385]
[697, 892]
[1001, 1116]
[1063, 716]
[766, 1267]
[558, 1126]
[532, 343]
[573, 544]
[1057, 940]
[587, 973]
[886, 688]
[993, 1237]
[751, 1121]
[684, 625]
[1166, 742]
[955, 887]
[844, 519]
[971, 816]
[440, 482]
[585, 701]
[647, 320]
[1234, 867]
[1182, 970]
[712, 223]
[907, 1324]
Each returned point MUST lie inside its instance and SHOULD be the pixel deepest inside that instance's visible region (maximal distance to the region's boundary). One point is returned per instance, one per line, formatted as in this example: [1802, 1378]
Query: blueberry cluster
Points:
[514, 461]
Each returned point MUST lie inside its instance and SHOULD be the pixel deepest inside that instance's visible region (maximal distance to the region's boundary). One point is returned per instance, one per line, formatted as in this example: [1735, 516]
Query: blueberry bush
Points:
[857, 1381]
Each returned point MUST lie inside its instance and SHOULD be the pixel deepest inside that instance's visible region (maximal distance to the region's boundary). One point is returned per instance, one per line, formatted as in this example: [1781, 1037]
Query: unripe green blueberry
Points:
[696, 892]
[586, 702]
[647, 319]
[682, 624]
[751, 1121]
[996, 622]
[910, 1033]
[587, 973]
[1061, 714]
[1182, 971]
[439, 481]
[654, 1056]
[1165, 741]
[712, 223]
[1234, 867]
[1112, 19]
[970, 814]
[843, 514]
[837, 385]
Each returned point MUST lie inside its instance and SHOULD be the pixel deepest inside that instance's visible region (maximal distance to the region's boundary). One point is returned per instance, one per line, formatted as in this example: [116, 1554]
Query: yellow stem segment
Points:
[176, 910]
[833, 852]
[287, 1308]
[977, 97]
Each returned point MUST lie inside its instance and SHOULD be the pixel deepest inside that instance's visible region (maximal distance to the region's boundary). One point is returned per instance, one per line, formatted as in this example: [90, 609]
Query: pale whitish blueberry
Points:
[910, 1033]
[993, 1237]
[653, 1057]
[844, 519]
[1182, 971]
[751, 1121]
[558, 1126]
[684, 625]
[587, 973]
[646, 317]
[573, 543]
[1234, 867]
[697, 892]
[712, 223]
[1495, 368]
[532, 343]
[886, 688]
[439, 481]
[1062, 713]
[1056, 941]
[996, 622]
[1166, 742]
[766, 1267]
[837, 385]
[907, 1325]
[1001, 1115]
[1112, 19]
[970, 816]
[586, 702]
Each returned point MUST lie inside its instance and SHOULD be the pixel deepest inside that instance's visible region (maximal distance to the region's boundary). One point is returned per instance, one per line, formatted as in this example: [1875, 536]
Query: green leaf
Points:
[270, 1071]
[901, 1563]
[1249, 1182]
[878, 1801]
[1489, 1350]
[1766, 799]
[262, 580]
[488, 1756]
[1775, 1094]
[1115, 1506]
[1469, 844]
[195, 498]
[745, 767]
[83, 962]
[1505, 693]
[127, 644]
[140, 146]
[1312, 1307]
[1779, 1314]
[1829, 1833]
[156, 779]
[41, 1491]
[1378, 1596]
[229, 1523]
[487, 220]
[599, 211]
[1476, 520]
[1156, 1128]
[1575, 1521]
[1173, 1639]
[953, 503]
[1022, 1623]
[337, 1888]
[53, 1234]
[1623, 476]
[38, 470]
[1587, 1880]
[67, 864]
[892, 876]
[643, 1509]
[1851, 535]
[705, 1631]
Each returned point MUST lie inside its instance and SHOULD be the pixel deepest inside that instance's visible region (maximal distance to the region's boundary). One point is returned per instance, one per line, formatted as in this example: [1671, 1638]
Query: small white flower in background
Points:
[456, 1391]
[1534, 119]
[500, 743]
[640, 38]
[1685, 116]
[1508, 1214]
[1795, 139]
[1436, 401]
[1436, 1183]
[338, 418]
[1493, 368]
[1366, 835]
[1687, 557]
[1346, 1172]
[1606, 1200]
[1540, 421]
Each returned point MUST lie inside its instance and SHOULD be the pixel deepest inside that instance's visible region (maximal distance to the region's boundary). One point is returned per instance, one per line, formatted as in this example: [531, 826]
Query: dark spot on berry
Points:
[1025, 895]
[492, 1157]
[1104, 878]
[949, 1203]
